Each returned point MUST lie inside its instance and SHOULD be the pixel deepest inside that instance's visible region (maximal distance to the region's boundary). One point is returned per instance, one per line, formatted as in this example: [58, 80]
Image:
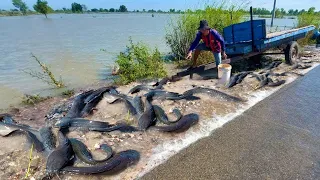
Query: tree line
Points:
[42, 7]
[290, 12]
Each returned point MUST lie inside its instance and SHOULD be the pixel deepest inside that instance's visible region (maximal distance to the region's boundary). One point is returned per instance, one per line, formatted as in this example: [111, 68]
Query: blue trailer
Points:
[249, 39]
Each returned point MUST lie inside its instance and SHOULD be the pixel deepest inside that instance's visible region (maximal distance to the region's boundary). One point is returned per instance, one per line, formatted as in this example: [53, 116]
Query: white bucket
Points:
[224, 73]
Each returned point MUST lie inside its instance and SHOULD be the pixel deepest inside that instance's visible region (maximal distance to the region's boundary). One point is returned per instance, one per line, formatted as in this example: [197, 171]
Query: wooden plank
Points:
[274, 34]
[287, 34]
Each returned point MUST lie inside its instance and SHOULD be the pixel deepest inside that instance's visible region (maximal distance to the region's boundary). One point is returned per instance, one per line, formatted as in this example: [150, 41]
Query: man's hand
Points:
[189, 56]
[224, 55]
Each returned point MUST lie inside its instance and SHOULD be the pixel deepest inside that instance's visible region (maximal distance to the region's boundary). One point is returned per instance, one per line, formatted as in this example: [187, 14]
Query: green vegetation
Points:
[42, 7]
[22, 6]
[264, 16]
[281, 12]
[309, 17]
[46, 75]
[76, 8]
[181, 33]
[68, 92]
[33, 99]
[123, 8]
[138, 62]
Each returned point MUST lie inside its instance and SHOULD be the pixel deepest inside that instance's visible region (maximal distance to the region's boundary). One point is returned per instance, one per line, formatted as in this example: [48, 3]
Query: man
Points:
[212, 41]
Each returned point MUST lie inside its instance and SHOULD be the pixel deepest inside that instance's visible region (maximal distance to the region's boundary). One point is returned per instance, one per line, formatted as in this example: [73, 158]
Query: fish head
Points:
[63, 122]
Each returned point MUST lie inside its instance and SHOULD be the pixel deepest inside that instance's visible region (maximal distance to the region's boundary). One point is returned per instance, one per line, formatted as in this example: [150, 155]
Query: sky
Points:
[165, 4]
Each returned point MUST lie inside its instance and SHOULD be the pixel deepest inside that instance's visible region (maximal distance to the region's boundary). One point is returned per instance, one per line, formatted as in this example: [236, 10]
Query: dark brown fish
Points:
[118, 162]
[61, 156]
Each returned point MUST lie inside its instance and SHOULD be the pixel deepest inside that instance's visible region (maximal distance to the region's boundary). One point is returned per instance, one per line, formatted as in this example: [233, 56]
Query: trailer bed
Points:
[279, 33]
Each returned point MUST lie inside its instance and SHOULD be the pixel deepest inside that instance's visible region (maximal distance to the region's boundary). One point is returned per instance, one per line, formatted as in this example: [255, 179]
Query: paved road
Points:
[279, 138]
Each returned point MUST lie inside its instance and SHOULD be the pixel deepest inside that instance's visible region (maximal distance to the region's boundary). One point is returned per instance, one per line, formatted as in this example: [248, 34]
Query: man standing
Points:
[212, 41]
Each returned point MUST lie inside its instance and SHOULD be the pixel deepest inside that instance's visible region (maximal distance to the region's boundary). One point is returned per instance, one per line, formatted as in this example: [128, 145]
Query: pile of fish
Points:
[149, 116]
[62, 157]
[264, 77]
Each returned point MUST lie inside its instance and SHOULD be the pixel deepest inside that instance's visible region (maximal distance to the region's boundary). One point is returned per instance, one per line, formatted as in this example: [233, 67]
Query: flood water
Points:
[71, 45]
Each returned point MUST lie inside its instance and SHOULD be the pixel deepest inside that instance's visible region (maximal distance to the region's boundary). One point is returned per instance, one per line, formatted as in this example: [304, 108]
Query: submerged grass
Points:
[46, 75]
[68, 92]
[33, 99]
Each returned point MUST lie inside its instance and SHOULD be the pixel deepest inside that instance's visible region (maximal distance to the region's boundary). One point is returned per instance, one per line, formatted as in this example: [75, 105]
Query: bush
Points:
[138, 62]
[306, 19]
[181, 32]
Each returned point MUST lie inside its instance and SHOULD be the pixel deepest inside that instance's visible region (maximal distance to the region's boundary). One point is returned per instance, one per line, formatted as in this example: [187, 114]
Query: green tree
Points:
[84, 8]
[302, 11]
[112, 10]
[172, 10]
[42, 7]
[312, 10]
[76, 8]
[106, 10]
[283, 12]
[144, 10]
[94, 10]
[290, 12]
[123, 8]
[22, 6]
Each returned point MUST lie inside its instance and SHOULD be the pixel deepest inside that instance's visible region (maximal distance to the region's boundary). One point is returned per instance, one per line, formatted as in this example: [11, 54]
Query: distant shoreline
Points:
[7, 14]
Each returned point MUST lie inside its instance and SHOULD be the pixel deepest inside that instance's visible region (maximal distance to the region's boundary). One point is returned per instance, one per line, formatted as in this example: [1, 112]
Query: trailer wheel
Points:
[292, 53]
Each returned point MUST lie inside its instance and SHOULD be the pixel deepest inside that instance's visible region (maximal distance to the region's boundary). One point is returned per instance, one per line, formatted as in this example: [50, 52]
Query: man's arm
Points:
[195, 42]
[218, 37]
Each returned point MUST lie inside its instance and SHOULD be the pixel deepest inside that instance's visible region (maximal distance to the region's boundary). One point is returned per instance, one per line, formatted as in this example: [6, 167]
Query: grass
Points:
[46, 75]
[68, 92]
[139, 62]
[128, 120]
[306, 19]
[15, 13]
[29, 164]
[33, 99]
[264, 16]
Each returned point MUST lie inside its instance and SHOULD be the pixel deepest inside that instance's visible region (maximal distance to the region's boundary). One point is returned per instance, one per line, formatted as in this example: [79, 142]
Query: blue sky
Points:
[165, 4]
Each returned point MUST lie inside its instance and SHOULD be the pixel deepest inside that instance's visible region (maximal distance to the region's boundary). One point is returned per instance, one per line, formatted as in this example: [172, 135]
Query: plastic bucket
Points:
[224, 73]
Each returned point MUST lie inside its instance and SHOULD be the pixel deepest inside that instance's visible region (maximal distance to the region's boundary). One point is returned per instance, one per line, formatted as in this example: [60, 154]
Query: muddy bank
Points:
[15, 156]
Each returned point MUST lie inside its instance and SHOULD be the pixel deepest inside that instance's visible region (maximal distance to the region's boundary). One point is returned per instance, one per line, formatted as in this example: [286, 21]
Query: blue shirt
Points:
[215, 34]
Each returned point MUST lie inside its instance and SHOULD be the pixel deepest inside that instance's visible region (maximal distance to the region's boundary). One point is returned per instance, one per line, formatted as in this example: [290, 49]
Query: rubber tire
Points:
[292, 53]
